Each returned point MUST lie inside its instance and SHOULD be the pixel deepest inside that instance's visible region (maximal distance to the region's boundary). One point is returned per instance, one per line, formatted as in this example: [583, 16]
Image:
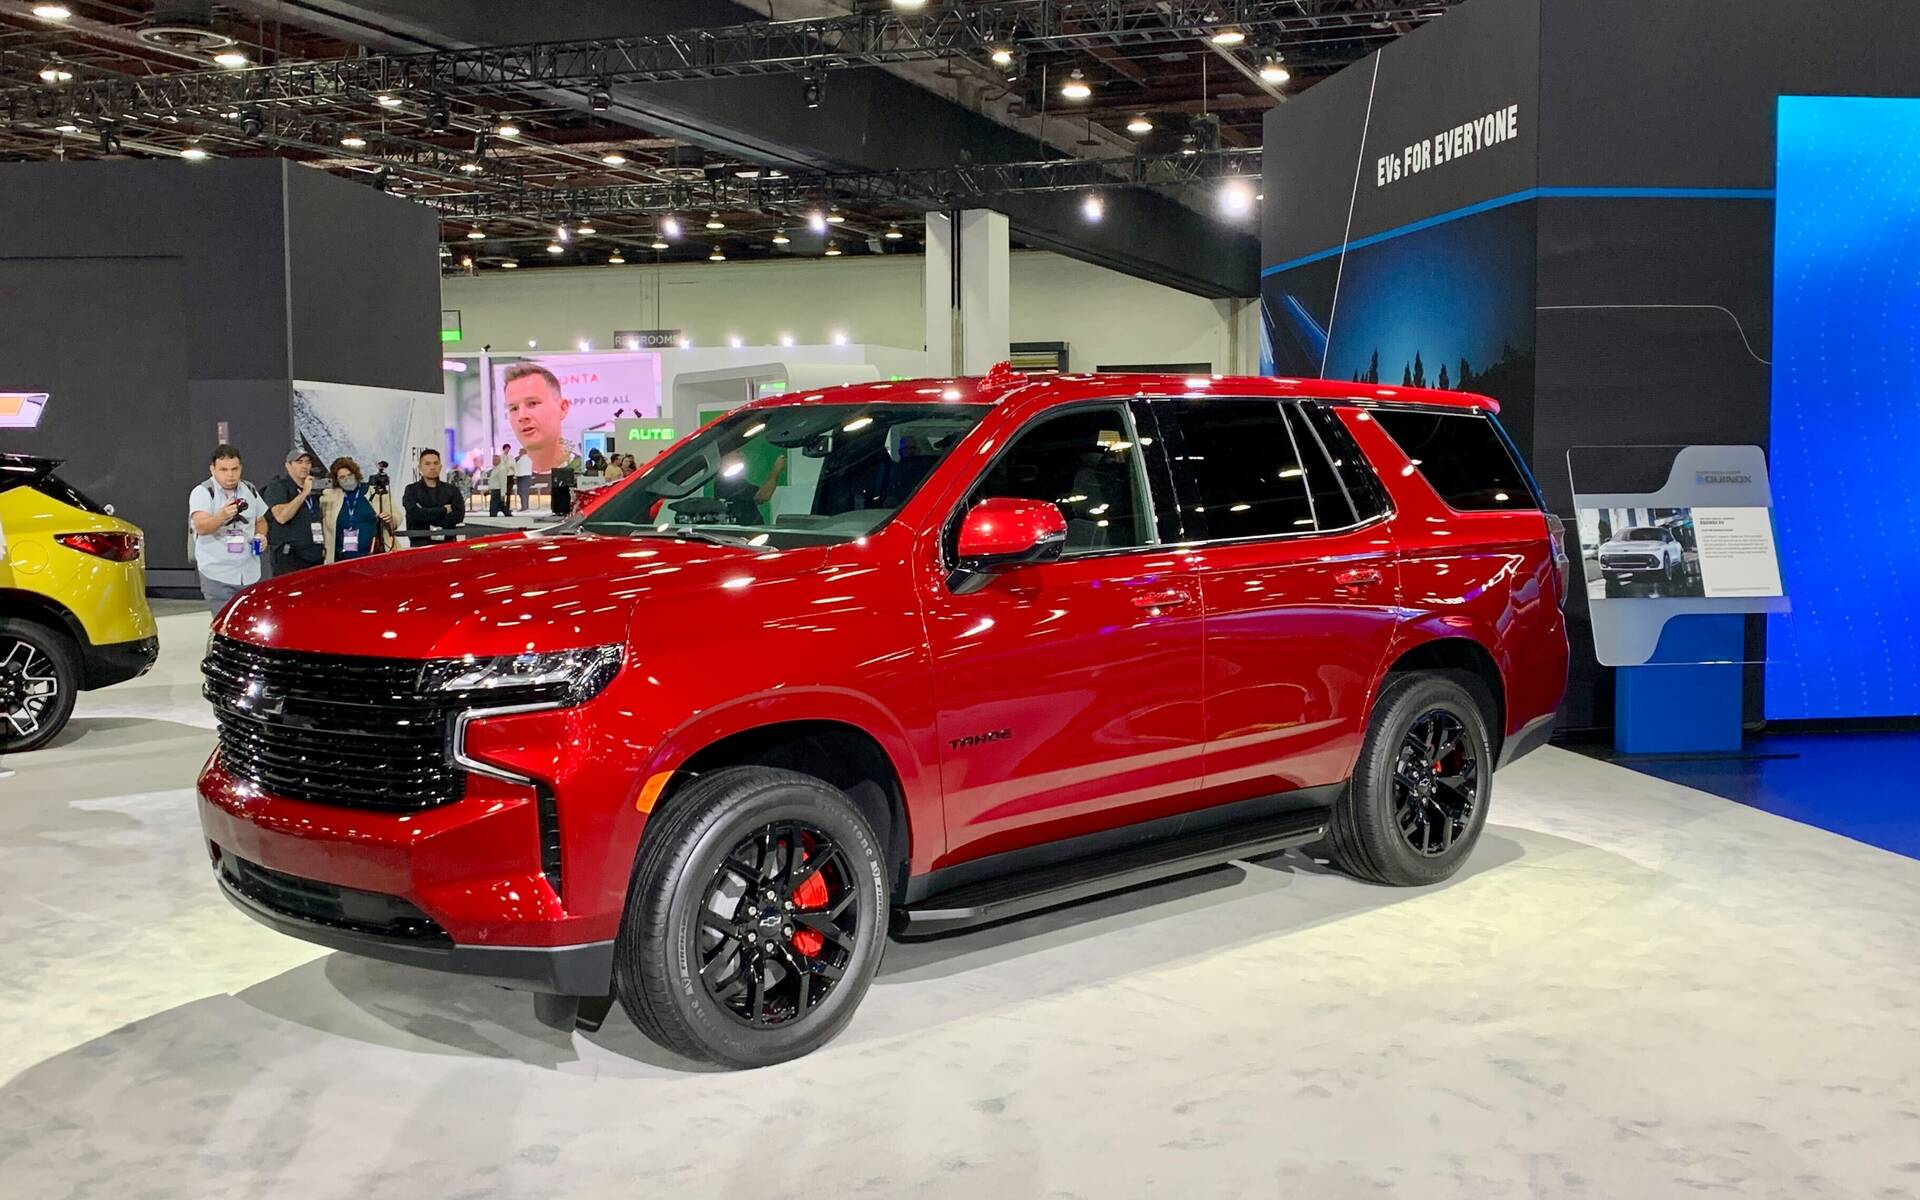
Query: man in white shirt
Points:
[523, 478]
[228, 520]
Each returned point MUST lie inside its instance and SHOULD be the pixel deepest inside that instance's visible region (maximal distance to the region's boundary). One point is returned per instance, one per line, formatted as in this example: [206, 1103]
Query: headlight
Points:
[561, 677]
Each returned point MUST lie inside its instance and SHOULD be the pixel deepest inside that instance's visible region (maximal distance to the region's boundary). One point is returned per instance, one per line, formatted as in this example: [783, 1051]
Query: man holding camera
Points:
[295, 538]
[227, 519]
[431, 504]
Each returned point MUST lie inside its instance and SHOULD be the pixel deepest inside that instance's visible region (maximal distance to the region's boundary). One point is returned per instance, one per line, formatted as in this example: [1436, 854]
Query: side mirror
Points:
[1004, 532]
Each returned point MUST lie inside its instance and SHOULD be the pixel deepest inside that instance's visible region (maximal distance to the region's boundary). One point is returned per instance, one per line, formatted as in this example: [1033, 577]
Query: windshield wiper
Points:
[686, 532]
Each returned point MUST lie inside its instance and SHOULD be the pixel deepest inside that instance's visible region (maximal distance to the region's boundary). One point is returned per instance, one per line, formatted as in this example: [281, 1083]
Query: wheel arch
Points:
[1465, 657]
[22, 604]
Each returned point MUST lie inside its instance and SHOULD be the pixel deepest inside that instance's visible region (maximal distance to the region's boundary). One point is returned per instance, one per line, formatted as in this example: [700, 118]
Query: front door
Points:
[1068, 692]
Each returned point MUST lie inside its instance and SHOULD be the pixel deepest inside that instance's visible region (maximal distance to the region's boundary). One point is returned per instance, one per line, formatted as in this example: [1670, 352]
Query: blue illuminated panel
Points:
[1846, 409]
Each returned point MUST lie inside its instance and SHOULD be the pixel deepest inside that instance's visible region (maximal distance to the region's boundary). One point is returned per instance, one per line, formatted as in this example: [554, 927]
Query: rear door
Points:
[1299, 580]
[1068, 692]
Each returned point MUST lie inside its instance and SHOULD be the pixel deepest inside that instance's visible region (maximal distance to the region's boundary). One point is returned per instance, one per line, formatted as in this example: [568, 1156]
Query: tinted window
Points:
[59, 489]
[1369, 498]
[1461, 455]
[1645, 535]
[1083, 460]
[1330, 507]
[1236, 466]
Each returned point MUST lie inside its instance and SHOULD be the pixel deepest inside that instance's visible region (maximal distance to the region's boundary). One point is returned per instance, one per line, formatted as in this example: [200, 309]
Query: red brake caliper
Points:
[812, 894]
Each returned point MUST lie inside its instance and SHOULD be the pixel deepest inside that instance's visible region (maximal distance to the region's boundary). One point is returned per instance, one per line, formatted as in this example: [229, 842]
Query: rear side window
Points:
[1462, 456]
[1331, 509]
[1368, 497]
[59, 489]
[1236, 468]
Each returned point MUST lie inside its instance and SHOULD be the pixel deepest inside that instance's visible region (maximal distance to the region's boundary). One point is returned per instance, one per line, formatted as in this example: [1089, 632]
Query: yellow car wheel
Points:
[39, 677]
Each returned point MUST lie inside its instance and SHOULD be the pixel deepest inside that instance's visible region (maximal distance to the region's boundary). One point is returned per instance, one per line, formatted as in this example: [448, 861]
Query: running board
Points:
[1069, 882]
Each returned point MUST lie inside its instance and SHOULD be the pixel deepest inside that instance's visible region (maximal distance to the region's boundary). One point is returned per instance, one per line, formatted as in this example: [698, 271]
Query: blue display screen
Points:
[1846, 409]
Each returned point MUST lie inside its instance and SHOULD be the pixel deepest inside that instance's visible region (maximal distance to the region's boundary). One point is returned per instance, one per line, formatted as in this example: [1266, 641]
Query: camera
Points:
[380, 483]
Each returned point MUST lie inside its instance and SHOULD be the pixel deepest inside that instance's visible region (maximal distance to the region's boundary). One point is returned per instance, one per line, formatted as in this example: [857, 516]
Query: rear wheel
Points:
[1419, 793]
[39, 679]
[755, 920]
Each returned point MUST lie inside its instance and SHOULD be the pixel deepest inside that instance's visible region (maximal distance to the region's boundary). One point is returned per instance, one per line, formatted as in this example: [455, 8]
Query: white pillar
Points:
[967, 288]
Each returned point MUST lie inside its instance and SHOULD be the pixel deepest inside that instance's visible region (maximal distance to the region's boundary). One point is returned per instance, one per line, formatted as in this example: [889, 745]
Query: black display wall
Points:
[155, 300]
[1617, 245]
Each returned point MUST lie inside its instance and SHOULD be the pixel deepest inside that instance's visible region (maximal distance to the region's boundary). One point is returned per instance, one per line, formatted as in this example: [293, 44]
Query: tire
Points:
[682, 981]
[1368, 837]
[39, 680]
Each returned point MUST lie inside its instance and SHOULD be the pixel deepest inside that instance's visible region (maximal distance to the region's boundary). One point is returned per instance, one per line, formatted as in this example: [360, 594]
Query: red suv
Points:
[893, 657]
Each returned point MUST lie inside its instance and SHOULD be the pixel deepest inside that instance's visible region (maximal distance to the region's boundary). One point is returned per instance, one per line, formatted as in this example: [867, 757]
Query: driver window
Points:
[1084, 461]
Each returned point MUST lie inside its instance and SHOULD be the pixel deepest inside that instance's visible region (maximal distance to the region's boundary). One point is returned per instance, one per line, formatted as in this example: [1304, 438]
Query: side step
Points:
[1079, 879]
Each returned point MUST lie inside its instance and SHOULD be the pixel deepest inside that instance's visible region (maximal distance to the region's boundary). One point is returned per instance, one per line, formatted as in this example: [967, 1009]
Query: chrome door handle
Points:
[1162, 598]
[1354, 578]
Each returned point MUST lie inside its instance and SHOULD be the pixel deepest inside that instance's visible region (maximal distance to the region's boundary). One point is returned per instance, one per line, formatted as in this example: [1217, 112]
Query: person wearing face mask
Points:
[357, 524]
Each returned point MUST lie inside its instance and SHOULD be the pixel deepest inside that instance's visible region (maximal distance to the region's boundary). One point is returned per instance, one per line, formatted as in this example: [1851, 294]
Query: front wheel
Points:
[39, 679]
[755, 919]
[1419, 793]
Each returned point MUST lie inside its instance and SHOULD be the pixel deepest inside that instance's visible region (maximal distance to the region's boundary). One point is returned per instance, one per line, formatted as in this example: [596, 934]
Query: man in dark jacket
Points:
[431, 504]
[294, 538]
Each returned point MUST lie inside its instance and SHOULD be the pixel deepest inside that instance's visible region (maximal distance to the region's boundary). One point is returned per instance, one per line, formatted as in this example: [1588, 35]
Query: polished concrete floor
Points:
[1634, 990]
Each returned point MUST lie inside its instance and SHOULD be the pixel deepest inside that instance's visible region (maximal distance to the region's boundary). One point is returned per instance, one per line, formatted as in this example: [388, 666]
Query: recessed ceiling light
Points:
[230, 59]
[193, 154]
[1076, 87]
[509, 265]
[475, 234]
[507, 129]
[614, 158]
[387, 100]
[1140, 124]
[353, 141]
[52, 12]
[1228, 37]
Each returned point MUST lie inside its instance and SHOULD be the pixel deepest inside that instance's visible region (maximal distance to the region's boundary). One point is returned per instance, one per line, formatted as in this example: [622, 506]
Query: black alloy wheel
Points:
[38, 681]
[779, 924]
[1436, 783]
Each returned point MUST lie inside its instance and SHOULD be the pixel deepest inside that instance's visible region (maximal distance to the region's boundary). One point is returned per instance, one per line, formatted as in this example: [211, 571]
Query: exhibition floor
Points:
[1634, 988]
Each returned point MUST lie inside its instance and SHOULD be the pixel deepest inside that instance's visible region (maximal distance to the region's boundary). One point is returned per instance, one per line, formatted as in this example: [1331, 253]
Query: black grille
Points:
[327, 904]
[1630, 562]
[332, 729]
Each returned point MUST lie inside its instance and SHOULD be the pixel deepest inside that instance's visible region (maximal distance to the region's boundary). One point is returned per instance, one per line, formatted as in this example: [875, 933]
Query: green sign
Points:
[449, 335]
[642, 433]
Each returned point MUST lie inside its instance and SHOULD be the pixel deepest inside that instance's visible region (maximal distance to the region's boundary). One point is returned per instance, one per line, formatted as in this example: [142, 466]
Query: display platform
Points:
[1633, 989]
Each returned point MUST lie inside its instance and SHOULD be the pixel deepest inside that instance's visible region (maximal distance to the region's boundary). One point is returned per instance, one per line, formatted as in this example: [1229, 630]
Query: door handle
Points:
[1162, 598]
[1353, 579]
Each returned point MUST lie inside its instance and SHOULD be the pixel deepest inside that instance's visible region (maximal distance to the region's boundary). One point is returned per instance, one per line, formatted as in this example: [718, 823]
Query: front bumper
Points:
[117, 662]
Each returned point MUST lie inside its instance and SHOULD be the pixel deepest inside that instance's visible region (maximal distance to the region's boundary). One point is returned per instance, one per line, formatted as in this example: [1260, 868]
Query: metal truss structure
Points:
[943, 30]
[926, 188]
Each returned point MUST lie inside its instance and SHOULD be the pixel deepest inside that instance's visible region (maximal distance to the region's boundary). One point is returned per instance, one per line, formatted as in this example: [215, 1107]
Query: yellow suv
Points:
[73, 601]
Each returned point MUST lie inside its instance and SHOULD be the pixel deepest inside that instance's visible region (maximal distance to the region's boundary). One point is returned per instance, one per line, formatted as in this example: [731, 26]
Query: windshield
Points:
[792, 475]
[1641, 535]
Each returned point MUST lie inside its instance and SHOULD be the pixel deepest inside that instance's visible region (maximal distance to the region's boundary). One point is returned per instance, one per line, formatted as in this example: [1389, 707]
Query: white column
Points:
[967, 307]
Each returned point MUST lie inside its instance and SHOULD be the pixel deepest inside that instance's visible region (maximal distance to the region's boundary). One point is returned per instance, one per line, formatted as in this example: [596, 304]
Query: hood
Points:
[493, 596]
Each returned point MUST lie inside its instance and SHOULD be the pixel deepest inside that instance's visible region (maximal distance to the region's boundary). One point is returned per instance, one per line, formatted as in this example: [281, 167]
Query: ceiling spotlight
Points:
[909, 5]
[1140, 124]
[786, 339]
[615, 260]
[509, 265]
[354, 141]
[387, 100]
[839, 338]
[475, 234]
[775, 173]
[893, 233]
[109, 140]
[1002, 56]
[1076, 87]
[1093, 208]
[466, 261]
[734, 340]
[686, 343]
[555, 248]
[746, 172]
[193, 153]
[231, 59]
[714, 221]
[811, 88]
[507, 129]
[718, 255]
[382, 178]
[1187, 144]
[585, 230]
[659, 243]
[669, 226]
[1227, 37]
[780, 237]
[562, 234]
[53, 72]
[438, 117]
[614, 158]
[52, 12]
[835, 217]
[1274, 71]
[1236, 198]
[833, 251]
[599, 101]
[252, 121]
[471, 167]
[67, 128]
[584, 344]
[817, 221]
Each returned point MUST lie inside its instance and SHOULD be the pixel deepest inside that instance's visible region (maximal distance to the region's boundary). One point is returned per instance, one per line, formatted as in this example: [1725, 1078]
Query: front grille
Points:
[1630, 562]
[331, 729]
[328, 904]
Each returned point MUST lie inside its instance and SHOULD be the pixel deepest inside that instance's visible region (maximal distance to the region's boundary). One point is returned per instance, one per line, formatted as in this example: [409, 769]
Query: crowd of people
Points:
[239, 534]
